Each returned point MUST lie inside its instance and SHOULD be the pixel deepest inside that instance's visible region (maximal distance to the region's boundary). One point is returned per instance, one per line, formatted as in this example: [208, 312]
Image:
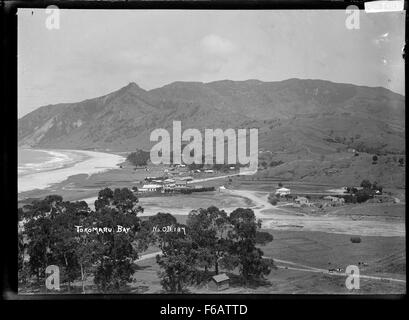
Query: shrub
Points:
[274, 201]
[366, 184]
[356, 240]
[275, 163]
[138, 158]
[263, 237]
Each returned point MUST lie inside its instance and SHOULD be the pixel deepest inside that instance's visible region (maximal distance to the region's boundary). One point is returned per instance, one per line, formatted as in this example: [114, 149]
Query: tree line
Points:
[48, 234]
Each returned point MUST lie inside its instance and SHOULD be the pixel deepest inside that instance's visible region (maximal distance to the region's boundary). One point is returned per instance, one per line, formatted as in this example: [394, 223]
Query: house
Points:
[382, 198]
[219, 282]
[180, 183]
[150, 188]
[334, 200]
[282, 191]
[301, 200]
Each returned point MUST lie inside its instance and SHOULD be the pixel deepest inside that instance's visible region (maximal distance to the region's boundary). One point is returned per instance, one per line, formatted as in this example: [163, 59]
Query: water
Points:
[35, 161]
[39, 169]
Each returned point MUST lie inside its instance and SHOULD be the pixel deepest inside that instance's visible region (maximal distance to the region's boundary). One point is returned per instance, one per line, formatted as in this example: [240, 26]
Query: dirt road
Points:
[276, 217]
[296, 266]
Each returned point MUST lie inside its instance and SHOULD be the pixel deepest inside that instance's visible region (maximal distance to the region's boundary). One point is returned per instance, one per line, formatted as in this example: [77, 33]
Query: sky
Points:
[95, 52]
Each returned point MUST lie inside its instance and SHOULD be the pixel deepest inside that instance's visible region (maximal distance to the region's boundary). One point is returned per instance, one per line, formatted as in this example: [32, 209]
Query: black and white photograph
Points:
[211, 152]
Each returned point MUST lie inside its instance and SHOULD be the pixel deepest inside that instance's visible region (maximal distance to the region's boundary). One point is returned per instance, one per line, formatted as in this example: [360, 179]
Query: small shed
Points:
[219, 282]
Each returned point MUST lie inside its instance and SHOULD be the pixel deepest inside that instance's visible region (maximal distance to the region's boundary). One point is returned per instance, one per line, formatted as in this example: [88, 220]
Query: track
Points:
[297, 267]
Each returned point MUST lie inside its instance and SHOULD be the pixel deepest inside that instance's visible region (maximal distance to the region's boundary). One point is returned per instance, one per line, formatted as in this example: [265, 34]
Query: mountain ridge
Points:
[123, 119]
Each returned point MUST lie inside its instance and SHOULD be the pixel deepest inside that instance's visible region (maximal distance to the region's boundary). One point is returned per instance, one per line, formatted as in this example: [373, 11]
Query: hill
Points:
[300, 119]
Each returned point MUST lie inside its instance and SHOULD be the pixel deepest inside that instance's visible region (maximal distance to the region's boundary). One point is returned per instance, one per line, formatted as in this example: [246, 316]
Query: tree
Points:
[37, 218]
[138, 158]
[280, 185]
[209, 228]
[177, 263]
[48, 226]
[263, 237]
[375, 158]
[364, 195]
[118, 249]
[366, 184]
[244, 253]
[157, 223]
[272, 199]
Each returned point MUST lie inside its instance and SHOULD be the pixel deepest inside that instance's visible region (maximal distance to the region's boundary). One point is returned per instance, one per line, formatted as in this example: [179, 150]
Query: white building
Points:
[150, 188]
[282, 191]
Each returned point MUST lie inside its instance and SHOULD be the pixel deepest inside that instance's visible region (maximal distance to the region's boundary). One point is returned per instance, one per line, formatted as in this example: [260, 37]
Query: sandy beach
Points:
[87, 162]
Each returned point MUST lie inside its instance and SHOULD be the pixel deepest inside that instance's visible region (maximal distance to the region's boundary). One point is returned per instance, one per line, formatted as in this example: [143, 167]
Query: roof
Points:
[220, 277]
[301, 198]
[150, 186]
[283, 190]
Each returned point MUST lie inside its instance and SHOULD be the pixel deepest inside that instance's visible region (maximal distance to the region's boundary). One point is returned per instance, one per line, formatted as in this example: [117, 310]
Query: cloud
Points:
[217, 45]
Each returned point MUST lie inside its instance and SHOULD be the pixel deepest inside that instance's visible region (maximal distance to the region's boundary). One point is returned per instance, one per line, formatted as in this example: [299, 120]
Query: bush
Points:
[364, 195]
[138, 158]
[366, 184]
[272, 199]
[356, 240]
[275, 163]
[263, 237]
[349, 198]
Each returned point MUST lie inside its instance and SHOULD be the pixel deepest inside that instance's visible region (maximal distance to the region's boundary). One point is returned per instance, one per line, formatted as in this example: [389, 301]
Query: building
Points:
[209, 171]
[282, 192]
[219, 282]
[334, 200]
[301, 200]
[150, 188]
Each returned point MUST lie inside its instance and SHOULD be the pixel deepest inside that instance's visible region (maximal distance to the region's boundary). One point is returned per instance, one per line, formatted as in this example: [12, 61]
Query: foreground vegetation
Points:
[87, 243]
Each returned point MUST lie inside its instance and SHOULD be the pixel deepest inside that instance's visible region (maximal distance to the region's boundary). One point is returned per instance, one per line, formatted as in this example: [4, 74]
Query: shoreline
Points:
[89, 162]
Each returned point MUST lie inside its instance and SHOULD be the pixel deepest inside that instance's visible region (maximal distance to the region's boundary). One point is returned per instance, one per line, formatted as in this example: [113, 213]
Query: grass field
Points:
[384, 256]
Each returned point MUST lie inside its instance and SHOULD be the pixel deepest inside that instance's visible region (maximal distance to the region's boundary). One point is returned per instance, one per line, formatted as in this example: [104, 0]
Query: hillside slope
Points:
[313, 113]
